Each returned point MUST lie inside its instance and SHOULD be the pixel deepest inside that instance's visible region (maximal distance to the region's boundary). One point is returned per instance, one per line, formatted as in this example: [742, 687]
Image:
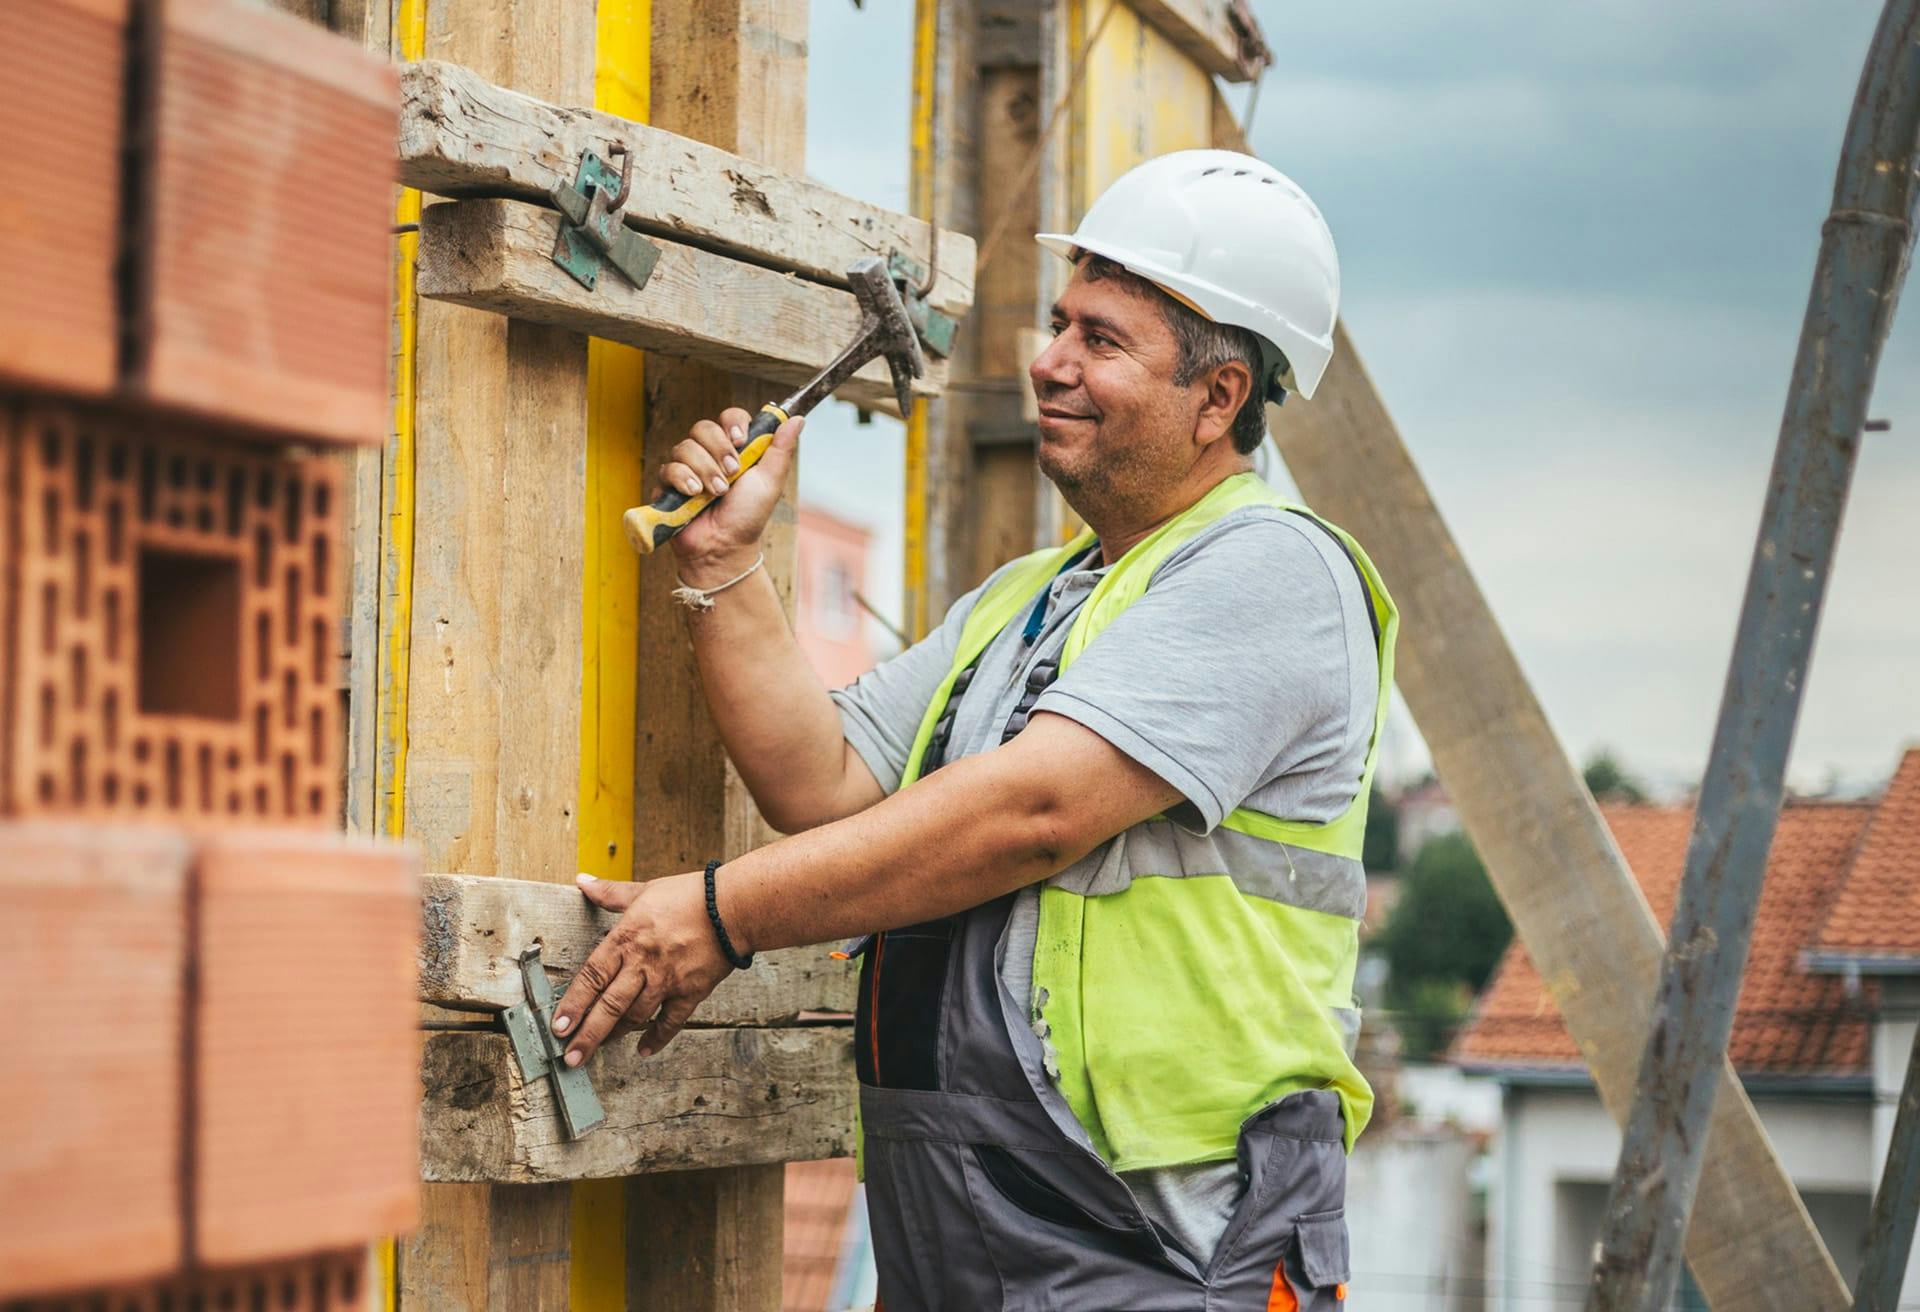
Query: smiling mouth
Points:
[1061, 414]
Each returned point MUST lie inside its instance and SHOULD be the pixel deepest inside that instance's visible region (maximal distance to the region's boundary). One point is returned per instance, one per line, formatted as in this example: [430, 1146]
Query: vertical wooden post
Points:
[733, 73]
[494, 692]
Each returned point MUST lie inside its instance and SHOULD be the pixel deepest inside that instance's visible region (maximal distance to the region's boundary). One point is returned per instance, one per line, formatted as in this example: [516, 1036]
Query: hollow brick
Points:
[320, 1282]
[174, 622]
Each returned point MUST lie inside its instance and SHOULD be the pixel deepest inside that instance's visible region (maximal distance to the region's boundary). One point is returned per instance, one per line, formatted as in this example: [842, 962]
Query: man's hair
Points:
[1200, 343]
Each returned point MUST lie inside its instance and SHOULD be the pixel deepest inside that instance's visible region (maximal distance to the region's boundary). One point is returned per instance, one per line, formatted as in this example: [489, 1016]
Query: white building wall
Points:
[1552, 1141]
[1410, 1215]
[1893, 1037]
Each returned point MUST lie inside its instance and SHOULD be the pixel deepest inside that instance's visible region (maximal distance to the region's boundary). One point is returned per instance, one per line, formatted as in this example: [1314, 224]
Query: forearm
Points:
[775, 720]
[978, 828]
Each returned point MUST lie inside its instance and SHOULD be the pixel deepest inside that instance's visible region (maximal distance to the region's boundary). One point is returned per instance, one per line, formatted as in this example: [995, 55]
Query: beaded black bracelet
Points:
[734, 959]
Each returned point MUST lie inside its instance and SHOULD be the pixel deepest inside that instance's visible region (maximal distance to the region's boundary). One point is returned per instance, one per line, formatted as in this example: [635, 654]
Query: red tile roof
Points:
[1789, 1020]
[1877, 914]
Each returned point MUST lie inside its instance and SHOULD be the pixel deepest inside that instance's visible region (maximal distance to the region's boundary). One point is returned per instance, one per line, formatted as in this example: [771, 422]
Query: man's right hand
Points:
[724, 538]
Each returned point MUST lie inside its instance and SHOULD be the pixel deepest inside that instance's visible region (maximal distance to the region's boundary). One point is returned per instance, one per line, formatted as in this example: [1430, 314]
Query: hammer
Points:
[884, 331]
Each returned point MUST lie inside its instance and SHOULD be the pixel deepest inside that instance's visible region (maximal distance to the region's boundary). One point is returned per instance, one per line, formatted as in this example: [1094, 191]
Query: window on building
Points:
[836, 610]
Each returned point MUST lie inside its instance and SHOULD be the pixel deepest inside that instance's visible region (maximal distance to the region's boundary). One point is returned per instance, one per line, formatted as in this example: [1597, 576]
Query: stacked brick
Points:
[175, 622]
[221, 982]
[62, 82]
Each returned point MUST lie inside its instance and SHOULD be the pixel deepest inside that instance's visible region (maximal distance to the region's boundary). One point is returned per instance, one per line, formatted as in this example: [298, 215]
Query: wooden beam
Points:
[731, 73]
[492, 730]
[1575, 905]
[711, 1098]
[498, 255]
[474, 928]
[1573, 901]
[1220, 36]
[462, 136]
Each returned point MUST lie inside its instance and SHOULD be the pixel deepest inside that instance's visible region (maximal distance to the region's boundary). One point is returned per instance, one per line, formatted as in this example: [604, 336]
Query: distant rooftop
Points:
[1842, 900]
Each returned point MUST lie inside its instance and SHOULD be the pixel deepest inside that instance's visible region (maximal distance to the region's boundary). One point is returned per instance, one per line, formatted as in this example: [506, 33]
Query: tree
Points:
[1442, 941]
[1609, 781]
[1380, 849]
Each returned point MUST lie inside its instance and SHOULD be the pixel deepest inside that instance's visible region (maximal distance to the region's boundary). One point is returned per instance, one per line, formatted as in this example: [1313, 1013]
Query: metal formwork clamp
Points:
[530, 1029]
[593, 225]
[936, 329]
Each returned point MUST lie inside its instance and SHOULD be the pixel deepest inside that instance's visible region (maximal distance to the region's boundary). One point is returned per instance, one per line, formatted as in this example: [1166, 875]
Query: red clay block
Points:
[322, 1282]
[308, 1082]
[270, 204]
[172, 647]
[92, 934]
[62, 68]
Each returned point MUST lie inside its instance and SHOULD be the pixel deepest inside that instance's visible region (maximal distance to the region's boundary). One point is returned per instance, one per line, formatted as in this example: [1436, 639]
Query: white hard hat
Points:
[1234, 238]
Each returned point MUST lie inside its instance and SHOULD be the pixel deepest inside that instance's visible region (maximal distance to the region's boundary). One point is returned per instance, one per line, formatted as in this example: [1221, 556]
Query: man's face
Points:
[1112, 421]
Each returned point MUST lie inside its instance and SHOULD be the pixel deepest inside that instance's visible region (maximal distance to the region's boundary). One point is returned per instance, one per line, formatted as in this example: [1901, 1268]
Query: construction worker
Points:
[1107, 937]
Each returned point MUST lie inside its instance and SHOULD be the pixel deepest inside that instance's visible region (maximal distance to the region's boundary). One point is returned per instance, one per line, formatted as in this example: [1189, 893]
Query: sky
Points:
[1576, 244]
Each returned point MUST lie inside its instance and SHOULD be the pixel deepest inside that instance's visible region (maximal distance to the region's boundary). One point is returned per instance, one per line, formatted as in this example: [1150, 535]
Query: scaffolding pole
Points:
[1865, 244]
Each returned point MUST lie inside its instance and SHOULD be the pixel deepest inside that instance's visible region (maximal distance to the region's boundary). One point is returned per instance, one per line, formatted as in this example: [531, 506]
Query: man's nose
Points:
[1054, 367]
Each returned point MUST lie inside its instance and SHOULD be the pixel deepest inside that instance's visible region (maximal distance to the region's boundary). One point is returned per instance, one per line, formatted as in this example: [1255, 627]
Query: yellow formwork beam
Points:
[922, 161]
[1141, 97]
[616, 423]
[408, 41]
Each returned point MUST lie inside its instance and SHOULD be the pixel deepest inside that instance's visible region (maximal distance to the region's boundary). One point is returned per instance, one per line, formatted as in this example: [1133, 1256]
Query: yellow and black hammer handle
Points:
[654, 526]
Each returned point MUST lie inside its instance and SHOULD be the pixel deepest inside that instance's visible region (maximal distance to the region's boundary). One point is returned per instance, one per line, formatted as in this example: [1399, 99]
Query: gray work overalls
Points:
[984, 1192]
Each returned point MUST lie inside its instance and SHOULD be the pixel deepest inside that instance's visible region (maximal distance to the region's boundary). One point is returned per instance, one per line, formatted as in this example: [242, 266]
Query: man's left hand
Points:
[652, 969]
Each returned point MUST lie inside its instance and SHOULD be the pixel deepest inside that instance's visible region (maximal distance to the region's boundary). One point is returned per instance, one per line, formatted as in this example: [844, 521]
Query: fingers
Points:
[609, 894]
[603, 966]
[606, 1012]
[779, 454]
[735, 421]
[672, 1019]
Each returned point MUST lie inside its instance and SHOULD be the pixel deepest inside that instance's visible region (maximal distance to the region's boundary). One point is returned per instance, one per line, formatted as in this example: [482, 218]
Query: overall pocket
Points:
[903, 982]
[1055, 1254]
[1286, 1246]
[1313, 1275]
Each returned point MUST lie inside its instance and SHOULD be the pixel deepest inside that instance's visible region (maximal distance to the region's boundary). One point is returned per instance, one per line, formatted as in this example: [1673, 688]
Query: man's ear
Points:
[1225, 389]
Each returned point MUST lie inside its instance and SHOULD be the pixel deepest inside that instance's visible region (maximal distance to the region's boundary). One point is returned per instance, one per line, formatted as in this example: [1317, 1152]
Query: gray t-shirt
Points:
[1246, 674]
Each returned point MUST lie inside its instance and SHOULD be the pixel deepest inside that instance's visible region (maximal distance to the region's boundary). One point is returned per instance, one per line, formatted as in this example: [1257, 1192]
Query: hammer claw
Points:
[885, 331]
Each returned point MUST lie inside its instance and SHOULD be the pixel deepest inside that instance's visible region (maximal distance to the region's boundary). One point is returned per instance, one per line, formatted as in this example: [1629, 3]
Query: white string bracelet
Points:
[702, 598]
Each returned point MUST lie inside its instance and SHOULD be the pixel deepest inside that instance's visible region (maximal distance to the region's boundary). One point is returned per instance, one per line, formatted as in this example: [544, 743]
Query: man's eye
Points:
[1099, 339]
[1056, 328]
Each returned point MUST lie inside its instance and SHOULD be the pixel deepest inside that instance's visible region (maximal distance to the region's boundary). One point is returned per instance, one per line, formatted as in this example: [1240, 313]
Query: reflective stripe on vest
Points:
[1177, 1006]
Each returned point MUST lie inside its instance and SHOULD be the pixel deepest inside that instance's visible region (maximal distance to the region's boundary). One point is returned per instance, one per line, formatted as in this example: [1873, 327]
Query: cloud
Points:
[1576, 246]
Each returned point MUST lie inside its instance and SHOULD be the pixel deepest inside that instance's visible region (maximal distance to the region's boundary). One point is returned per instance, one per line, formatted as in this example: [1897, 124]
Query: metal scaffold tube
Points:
[1865, 245]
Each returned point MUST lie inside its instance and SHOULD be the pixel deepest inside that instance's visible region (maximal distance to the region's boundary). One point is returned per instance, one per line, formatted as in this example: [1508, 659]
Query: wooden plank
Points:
[1576, 907]
[712, 1098]
[498, 255]
[493, 651]
[731, 73]
[473, 929]
[462, 136]
[1573, 902]
[1001, 515]
[1220, 36]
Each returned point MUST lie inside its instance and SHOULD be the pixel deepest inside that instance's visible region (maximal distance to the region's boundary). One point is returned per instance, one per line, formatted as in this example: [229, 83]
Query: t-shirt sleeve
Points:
[880, 711]
[1236, 666]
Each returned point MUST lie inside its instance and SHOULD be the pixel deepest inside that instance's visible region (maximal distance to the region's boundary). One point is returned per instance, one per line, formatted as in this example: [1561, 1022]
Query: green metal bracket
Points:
[936, 329]
[593, 230]
[530, 1030]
